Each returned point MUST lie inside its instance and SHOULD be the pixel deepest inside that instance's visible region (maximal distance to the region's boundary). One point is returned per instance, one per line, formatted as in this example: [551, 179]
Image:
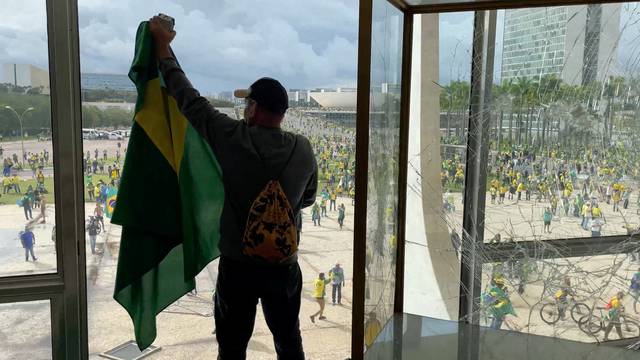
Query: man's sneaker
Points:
[322, 318]
[313, 319]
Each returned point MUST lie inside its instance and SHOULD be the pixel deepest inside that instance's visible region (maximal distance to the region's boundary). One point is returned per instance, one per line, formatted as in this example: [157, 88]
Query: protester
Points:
[26, 205]
[616, 309]
[546, 217]
[336, 274]
[98, 212]
[319, 286]
[315, 214]
[92, 230]
[247, 151]
[498, 302]
[28, 240]
[341, 215]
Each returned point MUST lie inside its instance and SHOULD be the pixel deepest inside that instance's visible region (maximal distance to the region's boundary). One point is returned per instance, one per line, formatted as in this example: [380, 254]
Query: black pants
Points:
[238, 289]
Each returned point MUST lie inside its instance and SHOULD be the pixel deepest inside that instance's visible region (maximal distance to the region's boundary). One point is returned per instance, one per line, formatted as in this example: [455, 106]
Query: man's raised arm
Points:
[208, 121]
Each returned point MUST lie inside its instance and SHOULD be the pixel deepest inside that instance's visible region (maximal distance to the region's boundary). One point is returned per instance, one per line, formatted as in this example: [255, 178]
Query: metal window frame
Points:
[473, 205]
[66, 288]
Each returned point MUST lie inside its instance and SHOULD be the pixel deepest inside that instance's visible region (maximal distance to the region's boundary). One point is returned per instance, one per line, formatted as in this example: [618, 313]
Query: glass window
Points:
[440, 93]
[26, 330]
[564, 165]
[316, 62]
[570, 298]
[27, 203]
[382, 190]
[564, 152]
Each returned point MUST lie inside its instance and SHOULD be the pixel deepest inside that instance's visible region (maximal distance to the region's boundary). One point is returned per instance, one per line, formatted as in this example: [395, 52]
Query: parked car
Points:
[114, 136]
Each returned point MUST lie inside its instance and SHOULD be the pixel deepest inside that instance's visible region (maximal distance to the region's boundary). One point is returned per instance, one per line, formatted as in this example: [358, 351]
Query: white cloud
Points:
[221, 44]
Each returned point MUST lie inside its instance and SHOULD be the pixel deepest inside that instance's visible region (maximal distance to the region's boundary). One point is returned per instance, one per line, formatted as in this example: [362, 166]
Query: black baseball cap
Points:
[268, 93]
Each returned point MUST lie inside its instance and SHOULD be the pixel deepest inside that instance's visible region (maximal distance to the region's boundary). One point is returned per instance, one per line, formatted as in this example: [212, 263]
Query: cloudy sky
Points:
[223, 44]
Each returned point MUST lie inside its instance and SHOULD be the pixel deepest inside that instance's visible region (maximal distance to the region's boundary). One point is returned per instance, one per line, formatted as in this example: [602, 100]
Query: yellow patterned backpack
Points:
[271, 235]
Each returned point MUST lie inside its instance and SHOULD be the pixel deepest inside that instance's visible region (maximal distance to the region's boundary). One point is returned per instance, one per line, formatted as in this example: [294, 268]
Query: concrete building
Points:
[26, 75]
[578, 44]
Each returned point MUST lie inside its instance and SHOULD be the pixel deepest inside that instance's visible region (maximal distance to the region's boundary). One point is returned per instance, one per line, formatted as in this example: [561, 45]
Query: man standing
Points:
[6, 184]
[247, 152]
[92, 229]
[15, 182]
[546, 217]
[323, 207]
[332, 203]
[28, 239]
[26, 205]
[90, 189]
[341, 215]
[99, 214]
[336, 274]
[315, 214]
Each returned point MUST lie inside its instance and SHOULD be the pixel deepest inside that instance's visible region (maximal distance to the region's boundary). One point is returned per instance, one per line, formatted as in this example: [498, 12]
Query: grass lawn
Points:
[12, 197]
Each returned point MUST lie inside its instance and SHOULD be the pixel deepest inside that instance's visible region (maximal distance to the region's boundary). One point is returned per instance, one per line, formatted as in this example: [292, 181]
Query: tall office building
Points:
[576, 43]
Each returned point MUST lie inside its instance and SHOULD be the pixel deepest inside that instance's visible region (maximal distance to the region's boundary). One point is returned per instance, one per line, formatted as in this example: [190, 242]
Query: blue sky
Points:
[224, 44]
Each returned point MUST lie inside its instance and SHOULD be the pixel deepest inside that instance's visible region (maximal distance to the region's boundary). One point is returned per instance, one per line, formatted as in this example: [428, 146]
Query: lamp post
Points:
[20, 118]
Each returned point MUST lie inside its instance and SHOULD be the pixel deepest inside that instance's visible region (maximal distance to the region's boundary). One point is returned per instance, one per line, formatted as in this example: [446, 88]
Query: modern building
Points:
[578, 44]
[25, 75]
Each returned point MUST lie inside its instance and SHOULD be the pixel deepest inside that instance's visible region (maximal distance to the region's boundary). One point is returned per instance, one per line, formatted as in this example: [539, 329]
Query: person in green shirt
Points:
[498, 302]
[341, 215]
[319, 287]
[315, 214]
[546, 217]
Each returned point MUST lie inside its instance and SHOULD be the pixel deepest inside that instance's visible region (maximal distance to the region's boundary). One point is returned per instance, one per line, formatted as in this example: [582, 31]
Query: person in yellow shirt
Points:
[15, 183]
[493, 191]
[503, 191]
[319, 286]
[332, 200]
[6, 183]
[40, 177]
[616, 197]
[520, 190]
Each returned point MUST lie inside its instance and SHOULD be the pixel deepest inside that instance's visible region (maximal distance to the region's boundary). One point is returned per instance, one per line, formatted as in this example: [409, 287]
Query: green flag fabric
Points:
[169, 201]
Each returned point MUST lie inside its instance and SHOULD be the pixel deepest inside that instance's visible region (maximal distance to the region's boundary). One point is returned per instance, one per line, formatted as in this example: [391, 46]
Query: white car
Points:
[114, 136]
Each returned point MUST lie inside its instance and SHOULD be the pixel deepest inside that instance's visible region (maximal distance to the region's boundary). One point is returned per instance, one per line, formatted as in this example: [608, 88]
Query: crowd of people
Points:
[334, 148]
[566, 183]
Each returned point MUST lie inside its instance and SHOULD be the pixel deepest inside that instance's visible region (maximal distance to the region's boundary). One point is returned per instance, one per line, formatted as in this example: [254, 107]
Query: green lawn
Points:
[12, 197]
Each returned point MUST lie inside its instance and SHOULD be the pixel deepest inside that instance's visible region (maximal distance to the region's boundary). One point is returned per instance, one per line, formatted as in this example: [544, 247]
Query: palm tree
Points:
[521, 90]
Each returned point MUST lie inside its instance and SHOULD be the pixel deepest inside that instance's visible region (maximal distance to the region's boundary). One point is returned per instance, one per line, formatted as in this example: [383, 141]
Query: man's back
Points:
[27, 239]
[249, 157]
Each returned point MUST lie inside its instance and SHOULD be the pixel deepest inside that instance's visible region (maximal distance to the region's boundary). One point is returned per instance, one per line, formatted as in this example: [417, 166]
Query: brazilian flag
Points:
[169, 202]
[110, 203]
